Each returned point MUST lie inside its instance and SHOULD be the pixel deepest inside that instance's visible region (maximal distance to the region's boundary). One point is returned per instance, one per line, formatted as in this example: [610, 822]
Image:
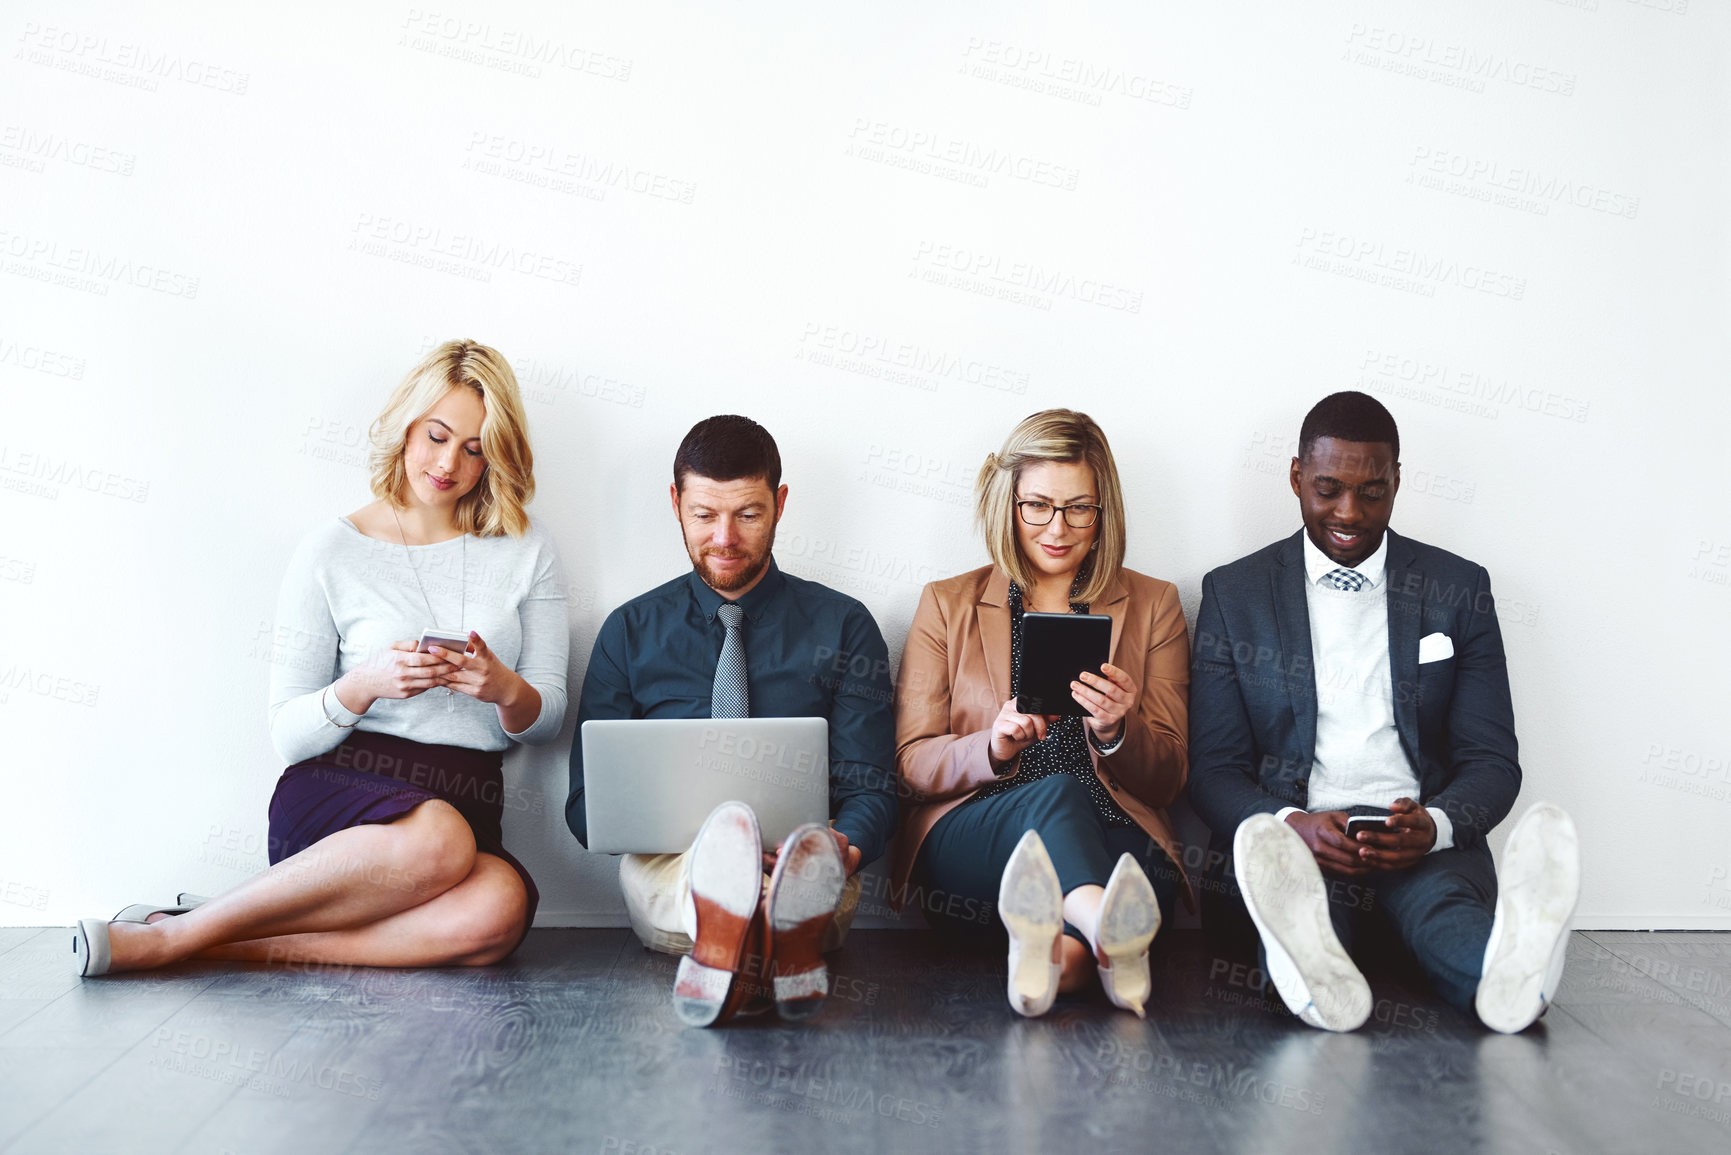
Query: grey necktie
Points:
[729, 699]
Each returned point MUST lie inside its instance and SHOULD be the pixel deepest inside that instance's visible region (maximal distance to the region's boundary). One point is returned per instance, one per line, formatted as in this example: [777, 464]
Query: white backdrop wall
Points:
[888, 231]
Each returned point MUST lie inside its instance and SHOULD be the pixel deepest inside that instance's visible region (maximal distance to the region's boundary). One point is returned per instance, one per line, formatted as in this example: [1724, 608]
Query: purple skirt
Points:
[372, 778]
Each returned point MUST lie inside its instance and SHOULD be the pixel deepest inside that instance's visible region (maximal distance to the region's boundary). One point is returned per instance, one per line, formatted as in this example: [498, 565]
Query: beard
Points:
[744, 576]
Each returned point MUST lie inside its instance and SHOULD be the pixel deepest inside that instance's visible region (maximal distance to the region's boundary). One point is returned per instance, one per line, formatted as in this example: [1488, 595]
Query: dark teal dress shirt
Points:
[810, 652]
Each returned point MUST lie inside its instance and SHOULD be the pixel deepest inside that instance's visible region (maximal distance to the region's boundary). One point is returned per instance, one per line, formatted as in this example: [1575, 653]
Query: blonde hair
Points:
[495, 505]
[1061, 435]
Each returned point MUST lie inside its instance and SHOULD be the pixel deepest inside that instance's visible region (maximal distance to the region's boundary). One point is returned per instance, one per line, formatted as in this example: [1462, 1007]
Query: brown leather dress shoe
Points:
[726, 881]
[803, 891]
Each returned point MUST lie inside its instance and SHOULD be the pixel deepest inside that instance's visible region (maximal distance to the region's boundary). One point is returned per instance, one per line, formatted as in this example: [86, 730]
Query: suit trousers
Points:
[657, 890]
[962, 859]
[1439, 911]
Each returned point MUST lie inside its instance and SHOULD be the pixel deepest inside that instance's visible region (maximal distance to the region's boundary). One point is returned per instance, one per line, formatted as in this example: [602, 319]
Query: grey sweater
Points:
[346, 596]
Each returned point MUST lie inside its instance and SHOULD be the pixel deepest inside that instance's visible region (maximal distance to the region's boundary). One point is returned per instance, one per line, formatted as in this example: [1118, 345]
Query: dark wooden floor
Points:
[572, 1046]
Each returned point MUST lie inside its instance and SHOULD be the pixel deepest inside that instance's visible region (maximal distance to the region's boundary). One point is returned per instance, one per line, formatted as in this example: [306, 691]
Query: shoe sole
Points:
[1537, 888]
[803, 890]
[1031, 905]
[1129, 920]
[1283, 891]
[140, 912]
[726, 880]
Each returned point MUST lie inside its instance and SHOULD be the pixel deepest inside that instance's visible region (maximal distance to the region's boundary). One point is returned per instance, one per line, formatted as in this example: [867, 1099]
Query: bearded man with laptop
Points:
[698, 694]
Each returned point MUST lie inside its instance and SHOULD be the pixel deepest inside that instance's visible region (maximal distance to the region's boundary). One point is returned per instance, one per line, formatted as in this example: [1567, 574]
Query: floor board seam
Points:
[107, 1067]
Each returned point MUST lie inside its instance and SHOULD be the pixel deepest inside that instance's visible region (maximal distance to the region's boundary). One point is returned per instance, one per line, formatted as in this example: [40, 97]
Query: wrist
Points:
[1104, 736]
[350, 697]
[515, 693]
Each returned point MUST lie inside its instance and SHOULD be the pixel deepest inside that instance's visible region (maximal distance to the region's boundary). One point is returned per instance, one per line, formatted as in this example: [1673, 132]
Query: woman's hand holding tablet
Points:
[1107, 699]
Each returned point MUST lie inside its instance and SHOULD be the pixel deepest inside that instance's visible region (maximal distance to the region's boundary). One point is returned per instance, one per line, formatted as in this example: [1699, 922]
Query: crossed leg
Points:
[413, 892]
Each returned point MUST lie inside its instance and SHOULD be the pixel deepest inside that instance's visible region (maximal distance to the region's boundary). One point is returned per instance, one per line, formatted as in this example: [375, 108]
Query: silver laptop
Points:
[649, 783]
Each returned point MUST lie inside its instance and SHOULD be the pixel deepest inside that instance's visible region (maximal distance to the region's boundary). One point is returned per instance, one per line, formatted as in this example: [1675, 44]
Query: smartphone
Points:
[1366, 822]
[444, 639]
[1056, 649]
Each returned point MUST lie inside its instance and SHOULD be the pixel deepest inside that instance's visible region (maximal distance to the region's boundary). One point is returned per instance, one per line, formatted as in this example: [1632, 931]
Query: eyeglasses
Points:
[1075, 516]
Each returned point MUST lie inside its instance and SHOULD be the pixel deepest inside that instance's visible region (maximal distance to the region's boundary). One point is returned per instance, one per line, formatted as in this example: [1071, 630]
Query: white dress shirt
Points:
[1359, 759]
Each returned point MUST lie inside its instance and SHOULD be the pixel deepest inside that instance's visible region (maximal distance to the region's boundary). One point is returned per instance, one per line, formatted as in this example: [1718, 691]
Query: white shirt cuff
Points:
[1445, 829]
[1111, 747]
[1285, 810]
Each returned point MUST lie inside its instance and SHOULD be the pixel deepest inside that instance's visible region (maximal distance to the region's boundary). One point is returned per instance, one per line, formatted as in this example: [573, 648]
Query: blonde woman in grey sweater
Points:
[385, 844]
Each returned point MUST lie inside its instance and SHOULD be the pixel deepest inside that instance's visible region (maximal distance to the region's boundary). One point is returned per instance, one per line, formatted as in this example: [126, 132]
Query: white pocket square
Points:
[1435, 647]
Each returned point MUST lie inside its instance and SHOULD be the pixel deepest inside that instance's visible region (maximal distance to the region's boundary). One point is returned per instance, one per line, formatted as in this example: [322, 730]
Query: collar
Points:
[1316, 563]
[754, 603]
[997, 591]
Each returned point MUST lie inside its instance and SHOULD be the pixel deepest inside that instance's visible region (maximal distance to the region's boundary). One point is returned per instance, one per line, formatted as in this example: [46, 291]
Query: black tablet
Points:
[1055, 649]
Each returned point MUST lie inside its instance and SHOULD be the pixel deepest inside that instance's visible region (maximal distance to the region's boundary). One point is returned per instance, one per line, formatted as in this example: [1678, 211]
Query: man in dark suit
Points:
[1348, 671]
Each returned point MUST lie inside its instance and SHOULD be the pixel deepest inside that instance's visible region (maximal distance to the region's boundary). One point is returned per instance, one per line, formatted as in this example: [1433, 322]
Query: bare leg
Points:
[1082, 911]
[476, 922]
[349, 879]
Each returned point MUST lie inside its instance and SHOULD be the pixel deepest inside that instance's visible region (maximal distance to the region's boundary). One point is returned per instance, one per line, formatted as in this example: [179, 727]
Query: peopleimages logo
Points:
[1067, 77]
[37, 148]
[937, 261]
[1365, 258]
[40, 360]
[91, 268]
[463, 254]
[974, 163]
[46, 470]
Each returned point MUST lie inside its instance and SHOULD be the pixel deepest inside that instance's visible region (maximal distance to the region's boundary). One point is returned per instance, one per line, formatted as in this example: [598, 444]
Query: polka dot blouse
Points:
[1065, 747]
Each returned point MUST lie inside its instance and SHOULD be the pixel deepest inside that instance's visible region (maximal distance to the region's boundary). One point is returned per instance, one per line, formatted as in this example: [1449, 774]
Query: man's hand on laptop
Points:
[849, 854]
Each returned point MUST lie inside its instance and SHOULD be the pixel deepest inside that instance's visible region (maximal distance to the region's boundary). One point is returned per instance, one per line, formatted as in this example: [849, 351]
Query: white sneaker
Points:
[1129, 920]
[1537, 887]
[1283, 890]
[1031, 904]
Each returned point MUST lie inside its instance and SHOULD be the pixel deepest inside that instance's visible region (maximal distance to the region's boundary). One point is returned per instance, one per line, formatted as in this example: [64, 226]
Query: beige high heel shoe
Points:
[1129, 920]
[1031, 906]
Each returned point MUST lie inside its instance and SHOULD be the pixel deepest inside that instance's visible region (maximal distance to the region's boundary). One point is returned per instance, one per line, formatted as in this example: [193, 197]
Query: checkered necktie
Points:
[1342, 578]
[729, 699]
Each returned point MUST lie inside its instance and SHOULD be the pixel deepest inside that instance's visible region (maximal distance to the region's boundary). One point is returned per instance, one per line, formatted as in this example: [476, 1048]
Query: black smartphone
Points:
[1056, 648]
[1366, 822]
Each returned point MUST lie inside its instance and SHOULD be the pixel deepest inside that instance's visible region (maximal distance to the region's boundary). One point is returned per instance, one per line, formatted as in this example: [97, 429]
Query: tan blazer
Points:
[955, 677]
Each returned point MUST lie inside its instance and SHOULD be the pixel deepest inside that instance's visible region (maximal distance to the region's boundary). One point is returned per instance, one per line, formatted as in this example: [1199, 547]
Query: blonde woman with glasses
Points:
[1052, 825]
[385, 828]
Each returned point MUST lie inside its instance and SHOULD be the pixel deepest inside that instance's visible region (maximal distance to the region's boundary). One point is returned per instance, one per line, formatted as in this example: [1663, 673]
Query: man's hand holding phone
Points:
[1354, 847]
[1325, 833]
[1410, 834]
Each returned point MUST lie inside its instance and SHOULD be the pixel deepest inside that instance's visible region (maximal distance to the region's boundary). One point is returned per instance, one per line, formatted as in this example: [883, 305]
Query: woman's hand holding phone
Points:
[1108, 700]
[479, 673]
[1013, 732]
[397, 671]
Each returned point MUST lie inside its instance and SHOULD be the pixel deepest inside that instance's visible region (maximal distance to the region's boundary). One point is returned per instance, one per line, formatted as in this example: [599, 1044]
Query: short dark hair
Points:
[1348, 416]
[726, 448]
